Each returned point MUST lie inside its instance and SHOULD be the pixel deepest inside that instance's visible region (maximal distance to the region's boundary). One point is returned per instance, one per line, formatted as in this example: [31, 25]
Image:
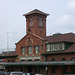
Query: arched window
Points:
[12, 60]
[23, 50]
[29, 30]
[73, 59]
[8, 60]
[30, 50]
[40, 22]
[37, 49]
[63, 59]
[53, 59]
[31, 21]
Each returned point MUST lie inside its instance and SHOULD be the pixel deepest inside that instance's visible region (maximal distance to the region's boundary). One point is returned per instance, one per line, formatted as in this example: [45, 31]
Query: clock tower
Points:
[36, 22]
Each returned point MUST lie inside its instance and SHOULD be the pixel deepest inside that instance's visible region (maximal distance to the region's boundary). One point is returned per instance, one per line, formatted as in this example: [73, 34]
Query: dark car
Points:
[2, 73]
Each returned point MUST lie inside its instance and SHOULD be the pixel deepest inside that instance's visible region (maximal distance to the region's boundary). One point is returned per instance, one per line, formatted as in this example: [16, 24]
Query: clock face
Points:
[31, 21]
[40, 22]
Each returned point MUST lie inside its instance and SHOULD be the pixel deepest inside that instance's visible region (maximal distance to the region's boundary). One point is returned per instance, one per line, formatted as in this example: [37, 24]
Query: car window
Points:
[23, 73]
[17, 74]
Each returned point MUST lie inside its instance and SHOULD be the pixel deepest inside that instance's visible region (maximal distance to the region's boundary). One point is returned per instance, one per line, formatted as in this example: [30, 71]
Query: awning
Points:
[39, 63]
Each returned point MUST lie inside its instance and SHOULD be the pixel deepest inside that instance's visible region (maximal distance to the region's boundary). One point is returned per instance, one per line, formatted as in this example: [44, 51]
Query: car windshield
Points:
[17, 74]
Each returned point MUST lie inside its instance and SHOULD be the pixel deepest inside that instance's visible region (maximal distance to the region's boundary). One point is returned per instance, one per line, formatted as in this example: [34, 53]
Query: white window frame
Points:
[62, 46]
[30, 50]
[37, 49]
[56, 47]
[48, 47]
[23, 50]
[31, 21]
[40, 22]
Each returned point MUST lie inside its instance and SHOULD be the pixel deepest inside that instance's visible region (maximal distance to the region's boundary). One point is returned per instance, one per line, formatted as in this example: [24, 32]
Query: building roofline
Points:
[31, 34]
[7, 56]
[39, 63]
[35, 11]
[58, 53]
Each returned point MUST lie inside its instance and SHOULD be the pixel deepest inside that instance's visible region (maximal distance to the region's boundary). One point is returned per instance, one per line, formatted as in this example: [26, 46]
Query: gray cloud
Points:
[71, 6]
[66, 21]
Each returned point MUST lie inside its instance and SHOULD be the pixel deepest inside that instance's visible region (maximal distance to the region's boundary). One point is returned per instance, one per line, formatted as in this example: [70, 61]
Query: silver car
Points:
[16, 73]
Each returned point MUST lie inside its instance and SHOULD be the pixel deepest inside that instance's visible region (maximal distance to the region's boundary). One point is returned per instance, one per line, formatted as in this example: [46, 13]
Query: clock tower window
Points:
[31, 21]
[29, 30]
[40, 22]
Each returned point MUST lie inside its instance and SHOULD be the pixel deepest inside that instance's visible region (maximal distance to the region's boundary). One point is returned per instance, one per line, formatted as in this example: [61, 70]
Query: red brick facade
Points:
[36, 29]
[59, 57]
[35, 40]
[36, 46]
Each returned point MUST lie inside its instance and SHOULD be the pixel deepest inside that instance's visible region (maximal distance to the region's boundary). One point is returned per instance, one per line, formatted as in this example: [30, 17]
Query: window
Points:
[36, 49]
[52, 47]
[48, 47]
[30, 50]
[63, 59]
[73, 59]
[61, 46]
[29, 30]
[23, 50]
[56, 47]
[41, 47]
[30, 60]
[12, 60]
[22, 60]
[53, 59]
[31, 21]
[40, 22]
[37, 60]
[8, 60]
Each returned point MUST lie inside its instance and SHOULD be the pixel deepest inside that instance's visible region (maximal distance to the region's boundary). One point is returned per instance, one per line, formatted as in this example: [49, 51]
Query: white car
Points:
[16, 73]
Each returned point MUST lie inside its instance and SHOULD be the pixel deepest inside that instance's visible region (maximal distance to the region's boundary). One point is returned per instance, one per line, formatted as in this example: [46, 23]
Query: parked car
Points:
[38, 74]
[2, 73]
[16, 73]
[29, 74]
[7, 73]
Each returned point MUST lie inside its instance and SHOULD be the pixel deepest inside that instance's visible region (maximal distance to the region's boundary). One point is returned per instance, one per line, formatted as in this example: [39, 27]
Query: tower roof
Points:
[36, 11]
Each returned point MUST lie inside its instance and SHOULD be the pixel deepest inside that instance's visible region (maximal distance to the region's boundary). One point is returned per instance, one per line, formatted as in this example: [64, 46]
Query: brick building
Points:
[38, 53]
[29, 47]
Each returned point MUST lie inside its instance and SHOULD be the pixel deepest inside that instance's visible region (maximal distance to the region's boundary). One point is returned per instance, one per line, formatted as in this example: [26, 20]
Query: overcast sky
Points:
[61, 18]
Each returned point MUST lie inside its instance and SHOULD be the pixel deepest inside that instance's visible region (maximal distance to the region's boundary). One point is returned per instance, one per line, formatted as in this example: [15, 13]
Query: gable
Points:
[30, 39]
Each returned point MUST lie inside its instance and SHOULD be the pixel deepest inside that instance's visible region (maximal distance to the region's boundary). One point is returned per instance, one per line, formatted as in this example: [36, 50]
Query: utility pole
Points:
[7, 42]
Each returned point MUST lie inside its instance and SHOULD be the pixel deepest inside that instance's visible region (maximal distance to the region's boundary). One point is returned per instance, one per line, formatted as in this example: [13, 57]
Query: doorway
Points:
[29, 69]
